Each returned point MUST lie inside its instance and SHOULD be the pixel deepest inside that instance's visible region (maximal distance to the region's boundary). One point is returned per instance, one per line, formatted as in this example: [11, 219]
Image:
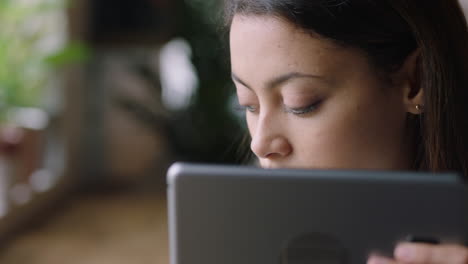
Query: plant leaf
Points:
[72, 53]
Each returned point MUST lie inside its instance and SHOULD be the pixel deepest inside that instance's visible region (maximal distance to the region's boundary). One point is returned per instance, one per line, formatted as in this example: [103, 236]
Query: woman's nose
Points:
[268, 143]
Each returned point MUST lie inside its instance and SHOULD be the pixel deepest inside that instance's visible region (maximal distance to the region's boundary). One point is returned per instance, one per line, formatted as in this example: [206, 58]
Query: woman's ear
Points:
[415, 104]
[413, 91]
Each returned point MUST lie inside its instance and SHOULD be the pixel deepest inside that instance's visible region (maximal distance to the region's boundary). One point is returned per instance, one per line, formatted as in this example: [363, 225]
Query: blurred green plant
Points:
[32, 47]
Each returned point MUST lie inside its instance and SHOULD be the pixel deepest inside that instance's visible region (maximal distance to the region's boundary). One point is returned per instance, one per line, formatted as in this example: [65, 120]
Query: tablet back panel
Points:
[232, 215]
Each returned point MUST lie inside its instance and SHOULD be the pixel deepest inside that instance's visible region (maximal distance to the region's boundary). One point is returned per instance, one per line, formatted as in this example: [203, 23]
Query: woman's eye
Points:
[302, 110]
[249, 108]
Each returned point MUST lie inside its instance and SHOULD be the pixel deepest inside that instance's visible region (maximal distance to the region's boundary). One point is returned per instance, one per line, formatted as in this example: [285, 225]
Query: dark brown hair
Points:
[388, 31]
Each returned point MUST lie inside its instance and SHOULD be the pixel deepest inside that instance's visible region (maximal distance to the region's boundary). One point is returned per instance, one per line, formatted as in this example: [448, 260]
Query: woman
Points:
[362, 84]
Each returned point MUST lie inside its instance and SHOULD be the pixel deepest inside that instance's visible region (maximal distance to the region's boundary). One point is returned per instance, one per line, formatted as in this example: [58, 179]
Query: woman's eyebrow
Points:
[278, 80]
[238, 80]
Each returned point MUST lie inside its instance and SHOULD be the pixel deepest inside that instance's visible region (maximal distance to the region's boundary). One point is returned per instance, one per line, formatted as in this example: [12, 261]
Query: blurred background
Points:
[97, 99]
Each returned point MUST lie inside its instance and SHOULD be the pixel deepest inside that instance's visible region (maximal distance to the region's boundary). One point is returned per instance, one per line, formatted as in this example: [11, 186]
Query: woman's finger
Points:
[420, 253]
[374, 259]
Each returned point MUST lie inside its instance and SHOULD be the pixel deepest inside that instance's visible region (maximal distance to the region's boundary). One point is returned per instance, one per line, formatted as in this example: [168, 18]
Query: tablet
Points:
[242, 215]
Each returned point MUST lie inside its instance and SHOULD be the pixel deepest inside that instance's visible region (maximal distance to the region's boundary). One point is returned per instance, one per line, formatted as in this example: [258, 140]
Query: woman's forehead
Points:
[266, 46]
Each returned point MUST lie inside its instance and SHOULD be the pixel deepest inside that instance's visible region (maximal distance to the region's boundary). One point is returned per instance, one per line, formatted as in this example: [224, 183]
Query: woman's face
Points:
[313, 104]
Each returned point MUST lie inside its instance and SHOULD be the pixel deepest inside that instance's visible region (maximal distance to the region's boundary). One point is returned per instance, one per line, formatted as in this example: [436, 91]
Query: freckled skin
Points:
[360, 122]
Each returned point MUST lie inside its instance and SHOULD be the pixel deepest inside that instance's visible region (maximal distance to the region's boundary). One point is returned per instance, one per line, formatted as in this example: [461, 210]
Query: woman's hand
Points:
[419, 253]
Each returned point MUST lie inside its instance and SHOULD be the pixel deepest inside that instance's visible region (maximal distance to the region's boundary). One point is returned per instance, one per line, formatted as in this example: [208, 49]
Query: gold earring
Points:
[419, 107]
